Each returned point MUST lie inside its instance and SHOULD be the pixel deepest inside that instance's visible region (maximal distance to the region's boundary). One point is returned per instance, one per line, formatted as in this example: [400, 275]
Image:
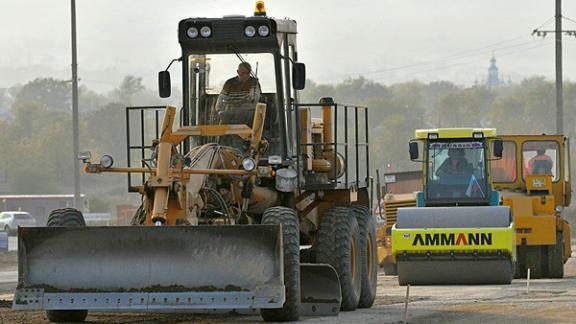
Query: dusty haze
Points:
[388, 41]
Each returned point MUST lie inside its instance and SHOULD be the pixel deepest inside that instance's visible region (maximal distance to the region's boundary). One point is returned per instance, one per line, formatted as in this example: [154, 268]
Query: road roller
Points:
[458, 233]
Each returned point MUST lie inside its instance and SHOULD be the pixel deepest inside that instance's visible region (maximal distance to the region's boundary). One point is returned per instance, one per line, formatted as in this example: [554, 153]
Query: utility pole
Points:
[75, 126]
[558, 37]
[559, 91]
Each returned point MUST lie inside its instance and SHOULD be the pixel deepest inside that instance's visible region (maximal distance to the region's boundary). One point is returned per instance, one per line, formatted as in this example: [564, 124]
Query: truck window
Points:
[504, 169]
[540, 157]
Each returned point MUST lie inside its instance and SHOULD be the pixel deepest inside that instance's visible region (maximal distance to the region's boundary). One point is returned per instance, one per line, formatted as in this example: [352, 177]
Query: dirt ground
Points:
[548, 301]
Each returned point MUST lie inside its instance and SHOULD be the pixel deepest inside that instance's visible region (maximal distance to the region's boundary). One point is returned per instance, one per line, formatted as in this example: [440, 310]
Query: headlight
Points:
[192, 32]
[274, 159]
[84, 156]
[205, 31]
[559, 208]
[263, 30]
[249, 164]
[106, 161]
[250, 31]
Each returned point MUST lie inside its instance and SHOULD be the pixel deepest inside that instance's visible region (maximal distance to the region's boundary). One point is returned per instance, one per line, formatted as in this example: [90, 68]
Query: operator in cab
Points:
[237, 101]
[241, 92]
[540, 164]
[455, 165]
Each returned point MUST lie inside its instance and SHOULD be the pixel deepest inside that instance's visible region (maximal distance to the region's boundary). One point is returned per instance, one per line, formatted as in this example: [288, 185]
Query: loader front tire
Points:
[368, 256]
[555, 262]
[290, 311]
[67, 217]
[338, 244]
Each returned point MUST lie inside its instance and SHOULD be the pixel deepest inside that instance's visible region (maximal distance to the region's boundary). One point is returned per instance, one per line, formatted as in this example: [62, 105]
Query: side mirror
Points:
[164, 87]
[498, 148]
[298, 76]
[413, 151]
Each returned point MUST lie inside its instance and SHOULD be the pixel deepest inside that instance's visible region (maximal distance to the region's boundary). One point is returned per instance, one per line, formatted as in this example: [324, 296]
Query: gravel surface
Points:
[548, 301]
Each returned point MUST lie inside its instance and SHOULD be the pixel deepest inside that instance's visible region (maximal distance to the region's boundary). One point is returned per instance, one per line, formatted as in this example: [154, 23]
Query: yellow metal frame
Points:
[455, 132]
[533, 200]
[168, 203]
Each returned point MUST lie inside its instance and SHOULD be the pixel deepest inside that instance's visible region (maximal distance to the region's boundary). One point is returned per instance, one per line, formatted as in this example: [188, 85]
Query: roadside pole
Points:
[75, 126]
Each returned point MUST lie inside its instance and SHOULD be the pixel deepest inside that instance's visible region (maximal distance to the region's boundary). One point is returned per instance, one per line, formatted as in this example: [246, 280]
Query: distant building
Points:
[493, 78]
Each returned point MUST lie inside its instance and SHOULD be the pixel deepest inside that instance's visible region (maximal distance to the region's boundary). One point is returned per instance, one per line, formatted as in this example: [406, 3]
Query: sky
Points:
[388, 41]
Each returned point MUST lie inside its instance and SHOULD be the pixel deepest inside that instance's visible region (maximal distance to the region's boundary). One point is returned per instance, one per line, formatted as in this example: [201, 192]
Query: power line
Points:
[548, 43]
[459, 55]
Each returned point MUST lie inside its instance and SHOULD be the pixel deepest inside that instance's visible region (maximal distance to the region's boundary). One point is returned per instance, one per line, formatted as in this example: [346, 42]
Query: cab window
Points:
[504, 169]
[540, 157]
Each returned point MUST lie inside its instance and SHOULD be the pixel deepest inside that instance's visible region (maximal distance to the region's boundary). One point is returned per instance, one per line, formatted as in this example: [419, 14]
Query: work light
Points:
[250, 31]
[192, 32]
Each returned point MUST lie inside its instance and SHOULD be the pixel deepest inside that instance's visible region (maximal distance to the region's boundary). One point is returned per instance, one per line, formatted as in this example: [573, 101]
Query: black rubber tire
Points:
[288, 217]
[555, 262]
[534, 261]
[368, 256]
[68, 217]
[338, 244]
[520, 266]
[66, 316]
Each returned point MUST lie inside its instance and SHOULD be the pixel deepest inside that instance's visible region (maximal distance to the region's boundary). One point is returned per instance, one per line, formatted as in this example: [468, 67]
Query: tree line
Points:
[35, 119]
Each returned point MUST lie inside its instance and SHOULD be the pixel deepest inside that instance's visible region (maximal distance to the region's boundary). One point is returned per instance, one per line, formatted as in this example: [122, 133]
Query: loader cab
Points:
[537, 157]
[212, 49]
[456, 167]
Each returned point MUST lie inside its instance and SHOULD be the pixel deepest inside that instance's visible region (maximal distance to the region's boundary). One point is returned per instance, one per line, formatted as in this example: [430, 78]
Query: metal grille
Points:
[142, 126]
[350, 141]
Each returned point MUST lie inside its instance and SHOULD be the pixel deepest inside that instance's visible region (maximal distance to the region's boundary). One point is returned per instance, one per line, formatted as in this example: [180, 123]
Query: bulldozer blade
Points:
[470, 272]
[150, 268]
[320, 290]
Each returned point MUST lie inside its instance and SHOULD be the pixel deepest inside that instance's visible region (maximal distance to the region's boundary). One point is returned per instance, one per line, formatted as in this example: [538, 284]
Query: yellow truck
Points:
[533, 178]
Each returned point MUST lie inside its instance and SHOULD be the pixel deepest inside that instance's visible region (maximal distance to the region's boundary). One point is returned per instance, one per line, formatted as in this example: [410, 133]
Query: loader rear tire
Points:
[368, 256]
[338, 244]
[290, 311]
[555, 262]
[68, 217]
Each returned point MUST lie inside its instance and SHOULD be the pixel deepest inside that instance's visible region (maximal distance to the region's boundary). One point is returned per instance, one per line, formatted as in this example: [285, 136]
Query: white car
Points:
[10, 220]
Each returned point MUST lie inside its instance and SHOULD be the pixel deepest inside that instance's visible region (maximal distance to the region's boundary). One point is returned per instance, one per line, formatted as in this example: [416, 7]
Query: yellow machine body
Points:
[431, 240]
[537, 202]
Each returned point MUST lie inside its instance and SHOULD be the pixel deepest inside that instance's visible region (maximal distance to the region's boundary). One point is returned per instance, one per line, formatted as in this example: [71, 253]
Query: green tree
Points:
[130, 86]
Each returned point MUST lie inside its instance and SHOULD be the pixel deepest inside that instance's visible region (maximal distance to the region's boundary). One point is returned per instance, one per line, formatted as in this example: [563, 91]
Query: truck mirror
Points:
[413, 151]
[498, 148]
[298, 76]
[164, 87]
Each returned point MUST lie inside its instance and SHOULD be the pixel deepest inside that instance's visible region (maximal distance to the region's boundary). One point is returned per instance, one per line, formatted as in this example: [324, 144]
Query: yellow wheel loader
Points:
[533, 178]
[458, 233]
[259, 205]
